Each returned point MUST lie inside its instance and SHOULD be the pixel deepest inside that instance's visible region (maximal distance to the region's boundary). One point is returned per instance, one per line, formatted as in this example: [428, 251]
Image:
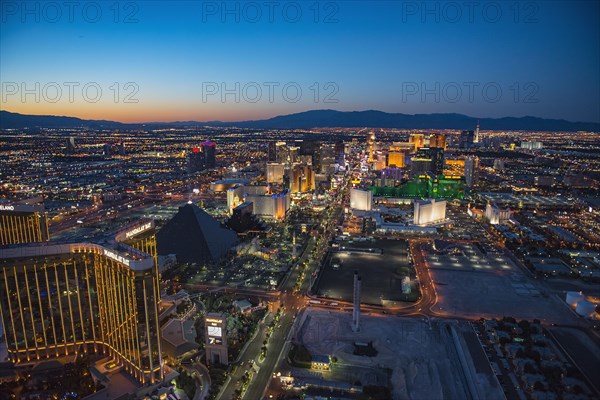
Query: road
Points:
[248, 356]
[294, 301]
[274, 348]
[202, 376]
[117, 209]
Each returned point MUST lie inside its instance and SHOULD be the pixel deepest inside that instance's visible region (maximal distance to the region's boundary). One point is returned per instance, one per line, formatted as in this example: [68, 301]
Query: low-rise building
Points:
[320, 362]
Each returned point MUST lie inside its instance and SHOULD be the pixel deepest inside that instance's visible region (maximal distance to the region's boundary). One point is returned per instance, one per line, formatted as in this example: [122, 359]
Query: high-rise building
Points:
[293, 154]
[420, 166]
[325, 159]
[379, 161]
[272, 151]
[301, 178]
[476, 136]
[281, 152]
[496, 215]
[23, 223]
[361, 199]
[194, 161]
[465, 141]
[429, 211]
[437, 160]
[70, 299]
[471, 171]
[438, 140]
[436, 155]
[70, 147]
[209, 151]
[265, 203]
[308, 148]
[242, 220]
[274, 206]
[237, 195]
[396, 159]
[428, 159]
[340, 154]
[392, 173]
[416, 140]
[531, 145]
[110, 149]
[107, 149]
[201, 158]
[275, 172]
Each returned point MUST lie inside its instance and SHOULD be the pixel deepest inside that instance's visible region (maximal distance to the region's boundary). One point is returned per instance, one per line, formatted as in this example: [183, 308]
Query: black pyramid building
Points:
[195, 237]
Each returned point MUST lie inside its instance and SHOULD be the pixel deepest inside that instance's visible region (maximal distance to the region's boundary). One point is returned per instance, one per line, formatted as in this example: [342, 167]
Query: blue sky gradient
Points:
[544, 56]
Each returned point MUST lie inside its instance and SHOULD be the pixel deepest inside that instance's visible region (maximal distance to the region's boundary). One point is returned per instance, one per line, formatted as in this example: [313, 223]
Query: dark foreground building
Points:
[195, 237]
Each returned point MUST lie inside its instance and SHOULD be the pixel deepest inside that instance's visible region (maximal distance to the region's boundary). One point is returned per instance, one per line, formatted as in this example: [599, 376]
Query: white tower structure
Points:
[356, 310]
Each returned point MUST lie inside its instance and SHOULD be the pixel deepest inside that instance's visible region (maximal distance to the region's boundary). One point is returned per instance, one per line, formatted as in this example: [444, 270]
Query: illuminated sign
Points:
[27, 208]
[116, 257]
[137, 230]
[214, 340]
[214, 331]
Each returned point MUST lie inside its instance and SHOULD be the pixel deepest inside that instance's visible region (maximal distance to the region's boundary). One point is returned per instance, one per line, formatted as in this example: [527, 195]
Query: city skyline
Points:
[284, 200]
[276, 252]
[140, 62]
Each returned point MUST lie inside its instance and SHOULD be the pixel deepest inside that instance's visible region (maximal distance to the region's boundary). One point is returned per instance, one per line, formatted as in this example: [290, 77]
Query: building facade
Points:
[471, 171]
[275, 172]
[23, 223]
[68, 299]
[361, 199]
[438, 140]
[429, 211]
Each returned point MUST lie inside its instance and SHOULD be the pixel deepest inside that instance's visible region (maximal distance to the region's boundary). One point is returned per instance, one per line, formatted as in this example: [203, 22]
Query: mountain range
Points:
[317, 119]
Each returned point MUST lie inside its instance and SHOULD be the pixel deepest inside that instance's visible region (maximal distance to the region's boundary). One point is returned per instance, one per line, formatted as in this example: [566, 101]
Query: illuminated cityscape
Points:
[238, 233]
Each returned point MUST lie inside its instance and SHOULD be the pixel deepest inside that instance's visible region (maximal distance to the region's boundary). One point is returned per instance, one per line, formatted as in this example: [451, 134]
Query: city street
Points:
[246, 360]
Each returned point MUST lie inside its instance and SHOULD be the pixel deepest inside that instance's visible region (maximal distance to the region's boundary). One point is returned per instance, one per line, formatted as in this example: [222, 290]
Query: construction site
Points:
[417, 358]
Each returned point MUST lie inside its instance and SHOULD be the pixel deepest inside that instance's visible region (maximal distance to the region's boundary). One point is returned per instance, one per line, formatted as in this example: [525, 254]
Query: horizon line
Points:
[298, 112]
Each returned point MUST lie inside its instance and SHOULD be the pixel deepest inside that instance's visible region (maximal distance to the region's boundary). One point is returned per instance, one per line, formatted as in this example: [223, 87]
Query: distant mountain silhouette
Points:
[379, 119]
[10, 120]
[319, 119]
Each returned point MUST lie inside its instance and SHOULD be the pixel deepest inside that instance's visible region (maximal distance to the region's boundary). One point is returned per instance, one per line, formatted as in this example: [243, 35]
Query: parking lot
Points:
[473, 284]
[381, 274]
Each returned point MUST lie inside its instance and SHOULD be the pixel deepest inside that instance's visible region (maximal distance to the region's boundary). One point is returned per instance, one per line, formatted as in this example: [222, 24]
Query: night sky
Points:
[159, 61]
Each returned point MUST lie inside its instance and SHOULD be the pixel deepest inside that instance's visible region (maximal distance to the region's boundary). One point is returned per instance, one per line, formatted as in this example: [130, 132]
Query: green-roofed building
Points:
[425, 186]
